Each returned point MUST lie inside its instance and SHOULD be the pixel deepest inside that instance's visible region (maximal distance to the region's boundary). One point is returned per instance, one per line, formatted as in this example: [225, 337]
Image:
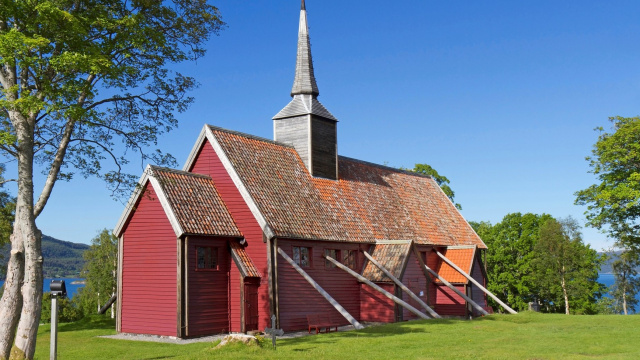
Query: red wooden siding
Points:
[297, 298]
[431, 261]
[448, 302]
[149, 271]
[235, 303]
[207, 162]
[476, 294]
[208, 289]
[376, 307]
[415, 280]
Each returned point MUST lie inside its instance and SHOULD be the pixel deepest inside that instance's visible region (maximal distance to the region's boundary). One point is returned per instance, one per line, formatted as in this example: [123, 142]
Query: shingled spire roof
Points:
[305, 81]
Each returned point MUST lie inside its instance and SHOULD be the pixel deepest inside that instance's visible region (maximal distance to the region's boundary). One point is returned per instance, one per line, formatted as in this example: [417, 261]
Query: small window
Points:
[301, 256]
[207, 258]
[349, 259]
[332, 253]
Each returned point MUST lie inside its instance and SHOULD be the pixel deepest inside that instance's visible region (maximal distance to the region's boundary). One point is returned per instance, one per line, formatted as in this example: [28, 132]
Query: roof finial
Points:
[305, 81]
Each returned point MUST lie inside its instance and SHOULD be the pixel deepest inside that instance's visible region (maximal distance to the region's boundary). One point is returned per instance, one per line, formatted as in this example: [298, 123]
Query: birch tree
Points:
[627, 282]
[565, 269]
[85, 84]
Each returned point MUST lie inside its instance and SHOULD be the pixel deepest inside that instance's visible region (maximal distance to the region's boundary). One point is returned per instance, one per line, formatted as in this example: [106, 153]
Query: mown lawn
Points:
[523, 336]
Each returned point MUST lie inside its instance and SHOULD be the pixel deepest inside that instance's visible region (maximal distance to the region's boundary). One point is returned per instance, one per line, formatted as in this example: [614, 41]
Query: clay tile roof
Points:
[195, 203]
[368, 202]
[392, 255]
[242, 259]
[462, 257]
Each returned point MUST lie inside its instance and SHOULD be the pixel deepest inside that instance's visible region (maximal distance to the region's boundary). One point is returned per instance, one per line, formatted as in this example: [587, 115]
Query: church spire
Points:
[305, 81]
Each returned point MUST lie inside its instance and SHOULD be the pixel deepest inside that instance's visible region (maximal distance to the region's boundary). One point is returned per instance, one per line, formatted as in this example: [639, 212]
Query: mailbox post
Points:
[58, 290]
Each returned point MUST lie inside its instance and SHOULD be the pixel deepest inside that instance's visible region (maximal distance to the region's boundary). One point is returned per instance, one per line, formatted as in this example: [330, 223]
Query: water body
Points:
[72, 288]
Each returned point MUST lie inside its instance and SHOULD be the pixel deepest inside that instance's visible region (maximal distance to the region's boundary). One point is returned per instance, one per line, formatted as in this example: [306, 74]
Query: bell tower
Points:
[305, 123]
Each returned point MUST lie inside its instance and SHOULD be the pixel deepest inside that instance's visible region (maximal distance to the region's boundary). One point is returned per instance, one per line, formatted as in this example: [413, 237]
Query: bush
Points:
[67, 312]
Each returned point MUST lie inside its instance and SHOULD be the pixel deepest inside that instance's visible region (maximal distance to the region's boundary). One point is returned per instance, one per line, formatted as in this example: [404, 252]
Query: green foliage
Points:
[62, 258]
[443, 181]
[627, 283]
[99, 272]
[7, 214]
[510, 252]
[67, 312]
[93, 78]
[565, 268]
[613, 204]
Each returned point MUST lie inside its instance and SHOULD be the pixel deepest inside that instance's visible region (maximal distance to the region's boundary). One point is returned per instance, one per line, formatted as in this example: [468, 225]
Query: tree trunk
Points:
[566, 297]
[11, 303]
[25, 230]
[624, 300]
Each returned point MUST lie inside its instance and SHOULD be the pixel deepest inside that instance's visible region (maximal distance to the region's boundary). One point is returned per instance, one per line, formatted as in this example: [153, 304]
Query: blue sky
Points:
[500, 97]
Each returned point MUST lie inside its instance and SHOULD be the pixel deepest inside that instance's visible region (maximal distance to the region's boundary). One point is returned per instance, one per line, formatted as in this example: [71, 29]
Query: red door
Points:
[251, 304]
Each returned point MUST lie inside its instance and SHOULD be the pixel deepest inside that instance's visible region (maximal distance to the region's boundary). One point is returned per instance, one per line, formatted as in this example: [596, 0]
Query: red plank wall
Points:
[476, 294]
[149, 271]
[297, 298]
[376, 307]
[415, 280]
[235, 303]
[208, 290]
[448, 302]
[208, 163]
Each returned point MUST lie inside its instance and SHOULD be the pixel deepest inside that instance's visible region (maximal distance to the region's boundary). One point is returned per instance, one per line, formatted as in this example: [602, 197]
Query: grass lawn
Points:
[523, 336]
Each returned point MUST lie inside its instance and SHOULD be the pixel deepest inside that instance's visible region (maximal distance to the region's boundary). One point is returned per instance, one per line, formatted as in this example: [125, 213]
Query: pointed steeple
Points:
[305, 81]
[305, 123]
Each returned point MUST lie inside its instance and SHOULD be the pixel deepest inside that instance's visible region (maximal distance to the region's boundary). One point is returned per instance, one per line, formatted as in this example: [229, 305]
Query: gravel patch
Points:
[175, 340]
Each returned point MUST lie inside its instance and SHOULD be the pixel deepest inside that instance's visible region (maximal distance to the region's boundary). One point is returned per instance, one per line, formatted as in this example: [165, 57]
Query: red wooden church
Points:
[251, 228]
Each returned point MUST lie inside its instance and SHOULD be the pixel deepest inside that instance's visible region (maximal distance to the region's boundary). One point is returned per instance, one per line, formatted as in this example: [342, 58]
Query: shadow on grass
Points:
[92, 322]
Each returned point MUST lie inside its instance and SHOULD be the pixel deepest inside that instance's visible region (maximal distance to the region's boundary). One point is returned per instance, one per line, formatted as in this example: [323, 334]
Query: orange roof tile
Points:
[390, 255]
[240, 256]
[462, 257]
[195, 202]
[368, 202]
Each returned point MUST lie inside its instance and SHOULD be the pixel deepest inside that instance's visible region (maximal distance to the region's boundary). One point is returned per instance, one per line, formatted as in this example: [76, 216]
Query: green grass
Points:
[523, 336]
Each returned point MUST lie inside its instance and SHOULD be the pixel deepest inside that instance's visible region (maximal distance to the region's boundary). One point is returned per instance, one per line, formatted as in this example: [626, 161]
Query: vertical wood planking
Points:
[208, 290]
[374, 306]
[297, 298]
[415, 280]
[149, 261]
[207, 162]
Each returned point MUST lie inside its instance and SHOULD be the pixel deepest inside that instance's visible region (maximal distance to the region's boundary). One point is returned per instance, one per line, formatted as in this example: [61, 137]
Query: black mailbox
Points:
[58, 288]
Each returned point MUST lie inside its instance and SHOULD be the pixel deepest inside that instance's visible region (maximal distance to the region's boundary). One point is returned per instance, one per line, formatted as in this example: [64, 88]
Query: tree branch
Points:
[59, 157]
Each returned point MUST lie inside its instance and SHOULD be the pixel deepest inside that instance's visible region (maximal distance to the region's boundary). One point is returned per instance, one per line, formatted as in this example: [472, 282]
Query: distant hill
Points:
[61, 258]
[606, 267]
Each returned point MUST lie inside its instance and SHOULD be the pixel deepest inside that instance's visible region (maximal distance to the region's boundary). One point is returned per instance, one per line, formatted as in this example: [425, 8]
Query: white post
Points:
[384, 292]
[469, 300]
[476, 283]
[54, 328]
[402, 286]
[322, 292]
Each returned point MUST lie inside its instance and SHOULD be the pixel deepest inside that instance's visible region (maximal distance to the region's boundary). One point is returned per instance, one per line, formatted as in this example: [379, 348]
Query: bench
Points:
[318, 322]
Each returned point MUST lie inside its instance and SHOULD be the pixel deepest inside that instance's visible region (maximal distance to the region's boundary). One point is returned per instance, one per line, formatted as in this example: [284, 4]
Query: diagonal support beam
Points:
[402, 286]
[468, 299]
[322, 292]
[505, 306]
[383, 291]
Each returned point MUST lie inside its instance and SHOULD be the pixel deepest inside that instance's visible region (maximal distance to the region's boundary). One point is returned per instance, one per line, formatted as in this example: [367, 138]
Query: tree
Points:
[442, 181]
[565, 269]
[509, 255]
[7, 212]
[614, 203]
[627, 282]
[84, 84]
[99, 272]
